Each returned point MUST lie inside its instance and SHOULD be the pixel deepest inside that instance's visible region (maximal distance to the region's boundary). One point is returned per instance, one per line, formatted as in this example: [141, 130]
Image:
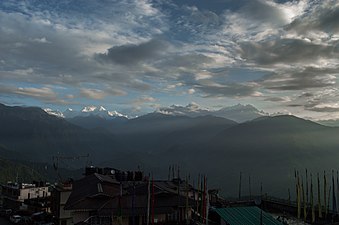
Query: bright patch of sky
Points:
[135, 56]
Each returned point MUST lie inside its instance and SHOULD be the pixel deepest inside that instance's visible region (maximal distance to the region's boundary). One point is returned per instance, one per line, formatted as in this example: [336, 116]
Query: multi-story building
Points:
[110, 196]
[14, 194]
[60, 195]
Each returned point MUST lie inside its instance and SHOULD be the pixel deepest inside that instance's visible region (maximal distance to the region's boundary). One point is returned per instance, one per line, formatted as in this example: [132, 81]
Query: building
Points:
[246, 215]
[16, 196]
[110, 196]
[60, 195]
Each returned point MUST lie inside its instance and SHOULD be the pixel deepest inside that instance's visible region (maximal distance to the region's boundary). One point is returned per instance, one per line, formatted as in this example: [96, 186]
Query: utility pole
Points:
[58, 158]
[240, 187]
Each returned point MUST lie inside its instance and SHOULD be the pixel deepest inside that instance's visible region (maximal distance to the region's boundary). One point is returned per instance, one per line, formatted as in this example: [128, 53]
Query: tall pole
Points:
[186, 205]
[198, 194]
[304, 199]
[204, 201]
[249, 186]
[296, 184]
[334, 200]
[201, 209]
[319, 199]
[120, 206]
[312, 201]
[207, 203]
[178, 212]
[298, 197]
[148, 198]
[306, 187]
[261, 204]
[329, 195]
[133, 204]
[240, 187]
[337, 192]
[325, 194]
[152, 200]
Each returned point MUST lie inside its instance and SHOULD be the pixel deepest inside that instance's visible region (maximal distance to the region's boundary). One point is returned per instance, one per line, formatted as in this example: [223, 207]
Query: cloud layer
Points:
[273, 54]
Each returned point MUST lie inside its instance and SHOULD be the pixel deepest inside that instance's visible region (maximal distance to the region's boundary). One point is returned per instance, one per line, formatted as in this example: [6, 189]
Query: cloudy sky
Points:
[137, 55]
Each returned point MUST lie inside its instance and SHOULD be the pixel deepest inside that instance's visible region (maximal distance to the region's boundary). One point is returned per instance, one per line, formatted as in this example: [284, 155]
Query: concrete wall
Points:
[37, 192]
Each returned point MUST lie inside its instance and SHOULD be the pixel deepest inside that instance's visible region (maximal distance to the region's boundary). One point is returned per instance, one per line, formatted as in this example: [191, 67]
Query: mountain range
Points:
[239, 113]
[266, 148]
[85, 112]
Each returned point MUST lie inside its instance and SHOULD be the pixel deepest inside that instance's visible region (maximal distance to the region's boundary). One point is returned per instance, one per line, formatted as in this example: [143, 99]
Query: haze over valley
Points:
[267, 148]
[214, 87]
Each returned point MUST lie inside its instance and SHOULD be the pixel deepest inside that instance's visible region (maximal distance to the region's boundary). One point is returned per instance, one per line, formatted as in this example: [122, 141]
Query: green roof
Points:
[246, 216]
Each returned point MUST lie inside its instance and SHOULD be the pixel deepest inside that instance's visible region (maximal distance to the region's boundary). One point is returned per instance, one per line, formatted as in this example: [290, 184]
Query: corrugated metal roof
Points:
[246, 216]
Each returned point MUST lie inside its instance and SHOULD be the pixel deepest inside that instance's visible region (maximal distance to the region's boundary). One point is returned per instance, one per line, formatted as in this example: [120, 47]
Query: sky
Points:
[135, 56]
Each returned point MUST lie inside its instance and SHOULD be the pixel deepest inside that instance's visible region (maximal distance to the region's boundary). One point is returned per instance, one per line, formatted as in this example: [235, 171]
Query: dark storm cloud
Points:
[327, 109]
[322, 100]
[45, 94]
[322, 18]
[295, 105]
[262, 11]
[277, 99]
[286, 51]
[132, 54]
[187, 61]
[306, 95]
[309, 77]
[227, 90]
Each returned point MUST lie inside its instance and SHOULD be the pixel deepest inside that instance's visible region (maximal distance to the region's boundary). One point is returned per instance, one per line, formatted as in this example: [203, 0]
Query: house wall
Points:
[65, 216]
[63, 199]
[79, 216]
[37, 192]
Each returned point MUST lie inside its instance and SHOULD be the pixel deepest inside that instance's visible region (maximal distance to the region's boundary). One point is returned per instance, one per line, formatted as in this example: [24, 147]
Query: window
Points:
[100, 188]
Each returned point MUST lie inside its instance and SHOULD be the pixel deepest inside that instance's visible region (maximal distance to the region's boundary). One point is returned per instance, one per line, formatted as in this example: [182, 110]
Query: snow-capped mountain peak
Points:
[116, 114]
[56, 113]
[99, 111]
[239, 113]
[87, 109]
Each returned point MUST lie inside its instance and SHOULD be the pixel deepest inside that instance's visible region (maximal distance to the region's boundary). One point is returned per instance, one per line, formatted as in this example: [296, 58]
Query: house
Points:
[14, 195]
[60, 195]
[116, 197]
[246, 215]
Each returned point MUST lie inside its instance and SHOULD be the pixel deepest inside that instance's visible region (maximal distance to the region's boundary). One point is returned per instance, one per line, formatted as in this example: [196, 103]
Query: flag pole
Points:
[148, 198]
[298, 196]
[304, 198]
[334, 200]
[261, 222]
[249, 186]
[306, 186]
[240, 187]
[312, 201]
[133, 204]
[152, 199]
[186, 205]
[207, 202]
[319, 198]
[325, 194]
